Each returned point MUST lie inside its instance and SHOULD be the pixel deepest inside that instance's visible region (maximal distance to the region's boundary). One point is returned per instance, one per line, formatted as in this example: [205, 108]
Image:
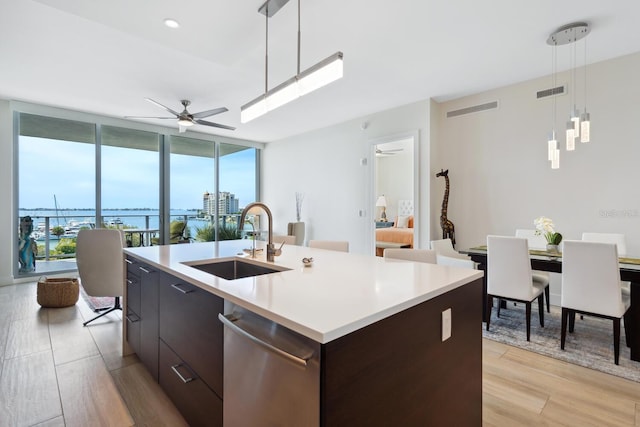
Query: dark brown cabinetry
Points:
[174, 329]
[396, 371]
[189, 325]
[193, 337]
[149, 318]
[197, 403]
[142, 313]
[132, 304]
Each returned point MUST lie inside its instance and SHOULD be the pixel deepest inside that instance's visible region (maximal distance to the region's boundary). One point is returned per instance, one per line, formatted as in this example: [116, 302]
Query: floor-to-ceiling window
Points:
[130, 182]
[74, 174]
[56, 175]
[192, 187]
[237, 186]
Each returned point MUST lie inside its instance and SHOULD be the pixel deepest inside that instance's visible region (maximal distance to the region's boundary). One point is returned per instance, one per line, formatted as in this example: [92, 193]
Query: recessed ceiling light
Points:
[171, 23]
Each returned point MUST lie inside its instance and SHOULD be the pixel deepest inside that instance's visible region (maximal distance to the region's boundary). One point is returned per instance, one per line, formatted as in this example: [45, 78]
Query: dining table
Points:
[543, 260]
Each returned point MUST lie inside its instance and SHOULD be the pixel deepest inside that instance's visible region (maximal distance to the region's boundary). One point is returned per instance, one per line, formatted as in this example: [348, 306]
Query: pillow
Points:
[410, 225]
[402, 222]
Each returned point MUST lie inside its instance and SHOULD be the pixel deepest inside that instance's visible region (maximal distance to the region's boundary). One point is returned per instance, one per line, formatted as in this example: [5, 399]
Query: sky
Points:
[130, 178]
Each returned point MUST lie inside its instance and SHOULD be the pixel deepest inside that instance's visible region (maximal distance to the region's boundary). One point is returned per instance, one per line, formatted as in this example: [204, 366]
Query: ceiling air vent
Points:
[560, 90]
[476, 108]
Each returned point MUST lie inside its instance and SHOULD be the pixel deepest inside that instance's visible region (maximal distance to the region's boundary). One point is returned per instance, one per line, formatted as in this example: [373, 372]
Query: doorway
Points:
[394, 192]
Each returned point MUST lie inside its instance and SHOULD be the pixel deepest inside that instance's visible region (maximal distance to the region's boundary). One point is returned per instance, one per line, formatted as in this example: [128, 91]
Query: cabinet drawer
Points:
[196, 402]
[189, 325]
[133, 330]
[133, 293]
[132, 265]
[149, 314]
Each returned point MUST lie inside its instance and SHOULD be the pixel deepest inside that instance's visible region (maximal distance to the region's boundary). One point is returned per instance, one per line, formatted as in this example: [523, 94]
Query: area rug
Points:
[96, 303]
[590, 345]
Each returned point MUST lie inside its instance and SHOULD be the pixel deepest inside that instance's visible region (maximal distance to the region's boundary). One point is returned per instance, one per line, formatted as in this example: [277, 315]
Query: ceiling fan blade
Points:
[162, 106]
[209, 113]
[146, 117]
[206, 123]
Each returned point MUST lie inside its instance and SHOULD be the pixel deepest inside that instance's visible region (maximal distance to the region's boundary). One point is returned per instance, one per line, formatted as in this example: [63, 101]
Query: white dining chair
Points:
[591, 285]
[332, 245]
[289, 240]
[447, 255]
[534, 241]
[509, 276]
[537, 242]
[618, 239]
[621, 245]
[417, 255]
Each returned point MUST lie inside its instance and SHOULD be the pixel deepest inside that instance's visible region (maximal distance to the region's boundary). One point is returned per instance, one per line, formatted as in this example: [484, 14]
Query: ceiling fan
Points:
[389, 152]
[185, 118]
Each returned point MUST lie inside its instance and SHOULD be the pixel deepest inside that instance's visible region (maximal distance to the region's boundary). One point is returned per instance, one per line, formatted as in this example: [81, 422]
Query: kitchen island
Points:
[376, 324]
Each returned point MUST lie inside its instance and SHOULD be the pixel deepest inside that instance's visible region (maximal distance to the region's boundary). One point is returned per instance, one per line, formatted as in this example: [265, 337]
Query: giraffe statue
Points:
[448, 230]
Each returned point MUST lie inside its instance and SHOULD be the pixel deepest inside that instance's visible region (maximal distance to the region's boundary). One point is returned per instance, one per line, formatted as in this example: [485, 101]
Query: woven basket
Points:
[56, 293]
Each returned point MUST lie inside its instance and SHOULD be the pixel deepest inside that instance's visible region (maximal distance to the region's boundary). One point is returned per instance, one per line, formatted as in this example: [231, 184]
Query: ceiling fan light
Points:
[171, 23]
[185, 122]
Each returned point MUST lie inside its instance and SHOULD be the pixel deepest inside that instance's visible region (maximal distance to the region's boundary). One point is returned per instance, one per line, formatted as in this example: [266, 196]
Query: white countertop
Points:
[339, 294]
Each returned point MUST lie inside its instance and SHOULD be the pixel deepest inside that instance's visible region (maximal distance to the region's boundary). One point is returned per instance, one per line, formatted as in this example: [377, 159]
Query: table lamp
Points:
[382, 202]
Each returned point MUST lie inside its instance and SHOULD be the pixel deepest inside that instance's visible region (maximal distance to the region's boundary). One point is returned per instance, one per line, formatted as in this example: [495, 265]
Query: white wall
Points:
[6, 192]
[325, 165]
[497, 160]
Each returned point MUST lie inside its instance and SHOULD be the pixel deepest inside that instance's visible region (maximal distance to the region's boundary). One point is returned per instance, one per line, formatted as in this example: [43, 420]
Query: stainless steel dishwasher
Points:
[271, 374]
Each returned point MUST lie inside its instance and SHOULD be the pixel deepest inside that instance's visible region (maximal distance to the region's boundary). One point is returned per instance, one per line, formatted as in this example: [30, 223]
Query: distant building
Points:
[227, 203]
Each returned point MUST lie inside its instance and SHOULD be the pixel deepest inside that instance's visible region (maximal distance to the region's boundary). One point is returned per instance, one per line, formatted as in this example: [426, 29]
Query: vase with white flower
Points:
[546, 227]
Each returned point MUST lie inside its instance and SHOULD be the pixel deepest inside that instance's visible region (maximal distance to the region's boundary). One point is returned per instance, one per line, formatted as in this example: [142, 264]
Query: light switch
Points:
[446, 324]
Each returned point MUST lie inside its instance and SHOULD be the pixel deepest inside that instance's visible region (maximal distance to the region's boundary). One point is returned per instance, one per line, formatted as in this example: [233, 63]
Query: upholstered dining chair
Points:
[417, 255]
[537, 242]
[509, 276]
[332, 245]
[621, 246]
[289, 240]
[591, 285]
[619, 240]
[101, 265]
[447, 255]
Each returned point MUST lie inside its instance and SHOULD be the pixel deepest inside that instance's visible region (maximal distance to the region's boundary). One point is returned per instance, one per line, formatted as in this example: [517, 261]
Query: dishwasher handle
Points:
[226, 320]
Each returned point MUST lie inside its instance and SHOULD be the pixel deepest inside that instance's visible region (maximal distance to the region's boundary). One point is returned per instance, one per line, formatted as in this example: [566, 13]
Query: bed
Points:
[402, 231]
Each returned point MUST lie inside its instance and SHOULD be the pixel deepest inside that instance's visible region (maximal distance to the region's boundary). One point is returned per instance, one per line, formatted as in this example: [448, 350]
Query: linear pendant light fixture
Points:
[576, 129]
[324, 72]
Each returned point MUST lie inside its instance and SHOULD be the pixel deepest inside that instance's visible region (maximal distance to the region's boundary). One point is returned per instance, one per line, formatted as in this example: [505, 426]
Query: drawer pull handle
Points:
[131, 320]
[184, 380]
[177, 287]
[145, 270]
[128, 261]
[131, 282]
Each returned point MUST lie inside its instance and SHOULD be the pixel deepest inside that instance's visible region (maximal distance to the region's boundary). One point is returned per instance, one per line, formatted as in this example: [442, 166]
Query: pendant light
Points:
[578, 126]
[315, 77]
[552, 144]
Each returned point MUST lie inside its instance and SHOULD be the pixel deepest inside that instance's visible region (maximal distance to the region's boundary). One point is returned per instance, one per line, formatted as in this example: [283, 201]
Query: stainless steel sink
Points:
[234, 269]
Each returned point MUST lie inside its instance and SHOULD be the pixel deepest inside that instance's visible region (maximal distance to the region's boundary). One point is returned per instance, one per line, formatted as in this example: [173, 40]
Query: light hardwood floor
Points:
[55, 372]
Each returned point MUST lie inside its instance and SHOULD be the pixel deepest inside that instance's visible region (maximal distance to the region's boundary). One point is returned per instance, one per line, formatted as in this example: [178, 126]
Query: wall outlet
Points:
[446, 324]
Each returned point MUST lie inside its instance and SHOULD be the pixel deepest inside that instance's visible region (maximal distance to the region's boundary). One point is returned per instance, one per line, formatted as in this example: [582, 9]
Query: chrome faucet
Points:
[272, 252]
